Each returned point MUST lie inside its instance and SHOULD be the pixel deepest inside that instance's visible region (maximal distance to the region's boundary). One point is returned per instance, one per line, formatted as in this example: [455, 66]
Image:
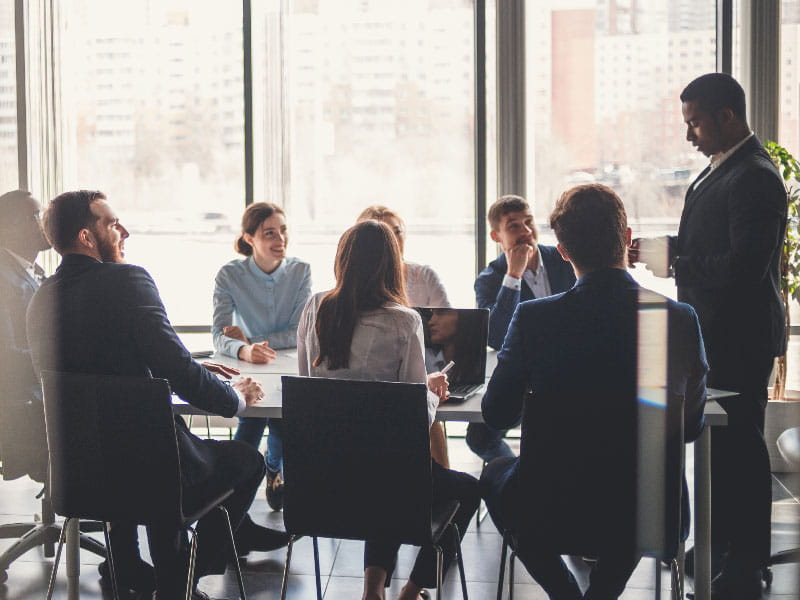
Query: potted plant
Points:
[782, 414]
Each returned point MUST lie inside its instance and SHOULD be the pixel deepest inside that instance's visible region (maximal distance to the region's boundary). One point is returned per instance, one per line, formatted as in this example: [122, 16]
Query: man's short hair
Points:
[715, 91]
[503, 206]
[591, 225]
[67, 214]
[14, 206]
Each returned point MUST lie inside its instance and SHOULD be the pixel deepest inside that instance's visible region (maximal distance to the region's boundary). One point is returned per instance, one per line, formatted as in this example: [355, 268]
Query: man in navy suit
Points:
[22, 438]
[524, 271]
[100, 315]
[726, 264]
[577, 353]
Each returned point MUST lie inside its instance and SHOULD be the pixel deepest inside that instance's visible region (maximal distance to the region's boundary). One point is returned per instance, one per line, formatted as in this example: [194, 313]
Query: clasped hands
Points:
[251, 390]
[258, 353]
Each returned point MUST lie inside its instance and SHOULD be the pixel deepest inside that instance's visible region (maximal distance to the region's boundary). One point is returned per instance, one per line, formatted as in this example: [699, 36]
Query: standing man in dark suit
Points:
[99, 315]
[23, 445]
[526, 270]
[726, 261]
[578, 352]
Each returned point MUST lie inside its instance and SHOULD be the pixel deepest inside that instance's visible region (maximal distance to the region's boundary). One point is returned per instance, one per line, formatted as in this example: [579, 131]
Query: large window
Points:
[377, 104]
[152, 94]
[789, 125]
[603, 87]
[9, 179]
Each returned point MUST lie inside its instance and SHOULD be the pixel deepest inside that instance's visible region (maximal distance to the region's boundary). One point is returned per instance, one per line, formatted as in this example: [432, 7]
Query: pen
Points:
[447, 367]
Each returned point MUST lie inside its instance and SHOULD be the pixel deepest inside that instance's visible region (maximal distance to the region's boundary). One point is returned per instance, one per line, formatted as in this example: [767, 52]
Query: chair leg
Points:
[658, 579]
[61, 538]
[192, 556]
[48, 518]
[92, 545]
[316, 568]
[511, 560]
[110, 558]
[439, 569]
[462, 574]
[482, 511]
[236, 564]
[785, 557]
[677, 580]
[28, 536]
[208, 427]
[502, 573]
[285, 581]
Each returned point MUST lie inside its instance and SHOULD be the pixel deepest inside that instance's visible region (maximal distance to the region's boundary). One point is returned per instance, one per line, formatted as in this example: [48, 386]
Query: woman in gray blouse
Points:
[364, 329]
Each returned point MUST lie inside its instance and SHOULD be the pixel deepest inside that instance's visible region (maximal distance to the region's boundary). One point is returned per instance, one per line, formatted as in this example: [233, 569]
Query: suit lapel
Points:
[695, 192]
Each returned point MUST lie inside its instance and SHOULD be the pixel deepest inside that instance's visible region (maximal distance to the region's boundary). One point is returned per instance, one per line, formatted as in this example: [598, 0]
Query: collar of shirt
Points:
[26, 264]
[275, 276]
[537, 280]
[721, 157]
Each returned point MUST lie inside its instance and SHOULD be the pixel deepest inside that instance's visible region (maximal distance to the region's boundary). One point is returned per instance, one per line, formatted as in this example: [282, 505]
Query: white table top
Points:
[470, 410]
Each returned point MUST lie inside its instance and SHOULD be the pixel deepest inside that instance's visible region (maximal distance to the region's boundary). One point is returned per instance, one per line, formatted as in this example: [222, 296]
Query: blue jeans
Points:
[487, 442]
[251, 430]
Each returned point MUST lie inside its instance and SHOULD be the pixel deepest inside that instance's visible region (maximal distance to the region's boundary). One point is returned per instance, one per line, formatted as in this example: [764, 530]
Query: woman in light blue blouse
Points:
[257, 307]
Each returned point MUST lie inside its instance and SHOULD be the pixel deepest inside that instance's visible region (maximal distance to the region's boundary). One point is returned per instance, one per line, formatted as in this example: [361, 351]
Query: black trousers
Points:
[741, 484]
[448, 485]
[499, 487]
[238, 467]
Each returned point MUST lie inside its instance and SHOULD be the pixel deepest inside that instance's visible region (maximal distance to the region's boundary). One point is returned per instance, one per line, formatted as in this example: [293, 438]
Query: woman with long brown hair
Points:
[364, 329]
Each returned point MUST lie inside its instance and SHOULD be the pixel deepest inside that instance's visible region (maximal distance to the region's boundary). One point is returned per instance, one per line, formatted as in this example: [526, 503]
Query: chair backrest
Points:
[356, 456]
[590, 482]
[112, 444]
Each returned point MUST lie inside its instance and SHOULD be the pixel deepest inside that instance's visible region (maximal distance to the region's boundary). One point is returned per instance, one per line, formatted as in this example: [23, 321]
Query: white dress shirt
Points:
[719, 158]
[536, 280]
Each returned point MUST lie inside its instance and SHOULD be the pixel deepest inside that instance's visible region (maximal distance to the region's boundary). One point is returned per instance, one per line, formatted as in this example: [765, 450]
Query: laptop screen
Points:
[460, 335]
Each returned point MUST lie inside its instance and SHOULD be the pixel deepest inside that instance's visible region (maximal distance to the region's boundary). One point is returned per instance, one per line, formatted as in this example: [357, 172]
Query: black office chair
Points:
[114, 457]
[789, 447]
[584, 460]
[357, 460]
[23, 451]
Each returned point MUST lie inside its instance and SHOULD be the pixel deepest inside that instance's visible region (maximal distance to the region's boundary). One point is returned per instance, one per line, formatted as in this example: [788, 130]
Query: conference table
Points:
[468, 411]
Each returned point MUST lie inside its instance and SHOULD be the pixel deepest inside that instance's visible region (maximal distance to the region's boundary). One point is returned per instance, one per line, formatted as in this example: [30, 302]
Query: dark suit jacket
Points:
[107, 318]
[728, 258]
[502, 301]
[23, 445]
[577, 353]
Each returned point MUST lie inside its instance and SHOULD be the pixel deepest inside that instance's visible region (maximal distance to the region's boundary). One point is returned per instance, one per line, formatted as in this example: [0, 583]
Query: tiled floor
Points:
[342, 560]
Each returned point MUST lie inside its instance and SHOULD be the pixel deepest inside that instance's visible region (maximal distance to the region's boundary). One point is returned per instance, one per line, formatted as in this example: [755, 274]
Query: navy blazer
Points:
[502, 301]
[22, 433]
[728, 252]
[108, 318]
[581, 345]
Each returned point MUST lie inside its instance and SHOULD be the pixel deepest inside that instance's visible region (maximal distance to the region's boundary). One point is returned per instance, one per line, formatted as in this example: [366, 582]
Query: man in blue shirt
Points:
[576, 355]
[524, 271]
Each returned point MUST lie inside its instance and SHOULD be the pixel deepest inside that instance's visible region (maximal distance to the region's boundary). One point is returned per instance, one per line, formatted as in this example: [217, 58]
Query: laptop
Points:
[458, 335]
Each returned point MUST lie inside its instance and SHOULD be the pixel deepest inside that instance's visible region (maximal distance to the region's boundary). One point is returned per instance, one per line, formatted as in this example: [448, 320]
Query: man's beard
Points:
[109, 252]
